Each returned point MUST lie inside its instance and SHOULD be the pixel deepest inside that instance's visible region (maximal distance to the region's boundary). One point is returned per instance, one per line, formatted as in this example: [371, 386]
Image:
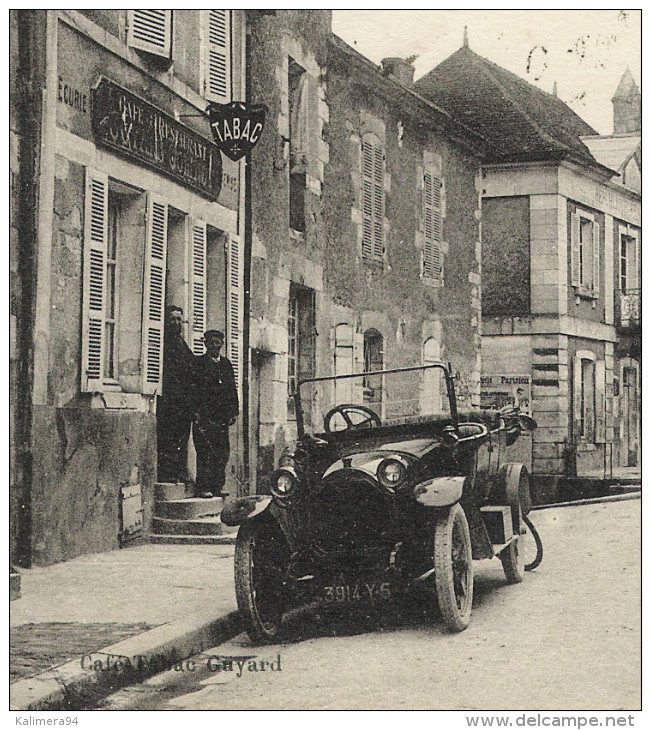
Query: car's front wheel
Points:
[453, 568]
[261, 554]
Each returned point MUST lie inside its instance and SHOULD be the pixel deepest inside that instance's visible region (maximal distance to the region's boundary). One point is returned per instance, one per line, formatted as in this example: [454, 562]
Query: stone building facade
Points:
[561, 224]
[126, 206]
[346, 273]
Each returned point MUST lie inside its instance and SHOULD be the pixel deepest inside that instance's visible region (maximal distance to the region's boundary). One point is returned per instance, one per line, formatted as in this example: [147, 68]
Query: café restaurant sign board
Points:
[132, 126]
[236, 127]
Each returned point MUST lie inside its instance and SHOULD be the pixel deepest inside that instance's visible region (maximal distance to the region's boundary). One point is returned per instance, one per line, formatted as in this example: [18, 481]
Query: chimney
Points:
[398, 69]
[627, 106]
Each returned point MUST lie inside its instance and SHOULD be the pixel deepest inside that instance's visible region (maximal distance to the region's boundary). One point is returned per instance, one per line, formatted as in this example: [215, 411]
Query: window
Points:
[150, 31]
[301, 343]
[585, 243]
[217, 61]
[112, 278]
[122, 309]
[587, 396]
[373, 360]
[298, 144]
[628, 258]
[431, 401]
[432, 259]
[372, 199]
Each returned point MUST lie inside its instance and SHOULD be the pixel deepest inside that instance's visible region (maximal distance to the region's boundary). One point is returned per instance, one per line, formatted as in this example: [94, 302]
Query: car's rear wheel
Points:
[453, 568]
[261, 555]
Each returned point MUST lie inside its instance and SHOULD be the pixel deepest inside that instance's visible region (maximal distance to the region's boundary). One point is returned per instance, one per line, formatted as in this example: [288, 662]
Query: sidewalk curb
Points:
[592, 500]
[73, 687]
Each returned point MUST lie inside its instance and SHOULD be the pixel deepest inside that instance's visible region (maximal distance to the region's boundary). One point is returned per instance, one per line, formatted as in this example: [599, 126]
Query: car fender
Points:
[439, 491]
[240, 510]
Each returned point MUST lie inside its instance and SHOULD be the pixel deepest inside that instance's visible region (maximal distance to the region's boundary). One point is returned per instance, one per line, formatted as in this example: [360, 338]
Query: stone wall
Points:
[349, 98]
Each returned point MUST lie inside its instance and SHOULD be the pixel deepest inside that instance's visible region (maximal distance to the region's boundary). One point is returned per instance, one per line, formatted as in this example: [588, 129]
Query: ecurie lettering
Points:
[128, 124]
[236, 127]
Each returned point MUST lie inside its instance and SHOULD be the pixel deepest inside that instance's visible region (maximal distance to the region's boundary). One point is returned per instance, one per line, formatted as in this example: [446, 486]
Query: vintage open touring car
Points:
[389, 488]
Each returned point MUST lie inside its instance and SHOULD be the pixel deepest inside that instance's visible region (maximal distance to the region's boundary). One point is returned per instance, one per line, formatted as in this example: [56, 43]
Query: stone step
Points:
[166, 491]
[187, 509]
[193, 539]
[208, 525]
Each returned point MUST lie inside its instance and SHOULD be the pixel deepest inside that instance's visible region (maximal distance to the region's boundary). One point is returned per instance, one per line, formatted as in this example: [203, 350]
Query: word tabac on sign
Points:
[236, 127]
[128, 124]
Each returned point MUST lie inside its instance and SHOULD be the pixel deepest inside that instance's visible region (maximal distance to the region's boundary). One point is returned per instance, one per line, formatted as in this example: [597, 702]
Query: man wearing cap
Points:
[218, 408]
[176, 406]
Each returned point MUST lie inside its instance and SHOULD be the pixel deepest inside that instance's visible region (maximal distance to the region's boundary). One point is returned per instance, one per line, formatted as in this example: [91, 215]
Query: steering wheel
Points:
[344, 410]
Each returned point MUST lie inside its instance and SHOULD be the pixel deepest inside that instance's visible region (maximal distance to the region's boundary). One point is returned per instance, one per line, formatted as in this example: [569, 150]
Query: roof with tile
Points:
[614, 150]
[528, 124]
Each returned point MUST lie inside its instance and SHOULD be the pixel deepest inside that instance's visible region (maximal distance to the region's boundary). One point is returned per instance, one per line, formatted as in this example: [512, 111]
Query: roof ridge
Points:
[516, 104]
[520, 80]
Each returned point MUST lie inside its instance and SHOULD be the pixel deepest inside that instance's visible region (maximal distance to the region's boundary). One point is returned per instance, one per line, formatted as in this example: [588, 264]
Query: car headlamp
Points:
[284, 484]
[391, 473]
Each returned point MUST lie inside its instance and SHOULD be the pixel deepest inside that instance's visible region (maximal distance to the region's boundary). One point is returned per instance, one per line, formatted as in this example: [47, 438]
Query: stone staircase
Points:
[180, 519]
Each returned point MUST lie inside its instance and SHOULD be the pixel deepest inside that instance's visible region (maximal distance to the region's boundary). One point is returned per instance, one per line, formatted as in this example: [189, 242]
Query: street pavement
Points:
[73, 608]
[567, 638]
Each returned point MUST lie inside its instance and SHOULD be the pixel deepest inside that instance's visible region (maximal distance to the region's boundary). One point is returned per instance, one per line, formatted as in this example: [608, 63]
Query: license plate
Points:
[347, 593]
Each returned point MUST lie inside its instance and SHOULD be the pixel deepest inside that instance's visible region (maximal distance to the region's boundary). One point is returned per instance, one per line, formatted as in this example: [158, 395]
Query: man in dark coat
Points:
[217, 409]
[177, 404]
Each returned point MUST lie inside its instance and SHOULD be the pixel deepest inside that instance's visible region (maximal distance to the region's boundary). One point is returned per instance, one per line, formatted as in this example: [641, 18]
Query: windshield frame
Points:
[447, 372]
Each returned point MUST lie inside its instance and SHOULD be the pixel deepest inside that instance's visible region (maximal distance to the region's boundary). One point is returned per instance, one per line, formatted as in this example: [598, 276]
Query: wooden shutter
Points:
[432, 261]
[372, 201]
[218, 56]
[94, 283]
[600, 402]
[234, 324]
[596, 251]
[197, 286]
[575, 244]
[151, 31]
[153, 298]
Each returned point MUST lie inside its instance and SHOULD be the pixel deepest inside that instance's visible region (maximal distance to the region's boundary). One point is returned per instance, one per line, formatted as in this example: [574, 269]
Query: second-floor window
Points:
[298, 143]
[150, 31]
[432, 258]
[628, 263]
[372, 199]
[585, 253]
[217, 60]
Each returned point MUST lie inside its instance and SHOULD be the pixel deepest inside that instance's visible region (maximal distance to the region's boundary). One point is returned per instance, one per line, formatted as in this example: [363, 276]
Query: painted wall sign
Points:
[498, 391]
[128, 124]
[74, 98]
[236, 127]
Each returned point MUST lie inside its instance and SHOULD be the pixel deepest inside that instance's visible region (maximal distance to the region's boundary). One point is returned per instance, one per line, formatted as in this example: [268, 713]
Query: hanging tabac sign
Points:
[236, 127]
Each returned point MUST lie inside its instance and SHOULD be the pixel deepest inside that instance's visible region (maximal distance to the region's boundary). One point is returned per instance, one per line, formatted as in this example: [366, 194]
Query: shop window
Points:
[432, 256]
[151, 31]
[301, 340]
[585, 241]
[298, 144]
[372, 199]
[217, 55]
